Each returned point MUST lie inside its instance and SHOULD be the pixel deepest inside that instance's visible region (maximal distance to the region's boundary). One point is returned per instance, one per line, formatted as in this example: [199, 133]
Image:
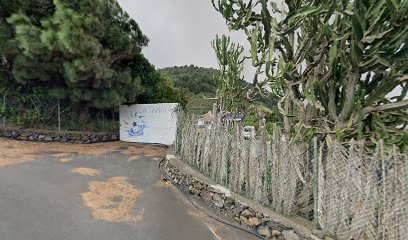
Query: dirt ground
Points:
[15, 152]
[102, 199]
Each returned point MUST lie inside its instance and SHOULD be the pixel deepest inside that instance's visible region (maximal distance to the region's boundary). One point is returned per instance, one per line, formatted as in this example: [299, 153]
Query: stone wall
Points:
[64, 137]
[238, 211]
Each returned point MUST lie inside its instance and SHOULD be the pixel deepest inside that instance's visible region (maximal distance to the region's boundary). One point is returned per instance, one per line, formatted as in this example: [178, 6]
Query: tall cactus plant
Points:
[338, 67]
[230, 82]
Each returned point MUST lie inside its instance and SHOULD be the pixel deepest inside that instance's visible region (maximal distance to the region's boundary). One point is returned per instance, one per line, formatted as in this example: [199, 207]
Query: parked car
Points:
[249, 132]
[201, 124]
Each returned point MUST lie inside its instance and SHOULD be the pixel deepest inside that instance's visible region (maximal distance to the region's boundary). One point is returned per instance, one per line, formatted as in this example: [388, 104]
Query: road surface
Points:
[43, 198]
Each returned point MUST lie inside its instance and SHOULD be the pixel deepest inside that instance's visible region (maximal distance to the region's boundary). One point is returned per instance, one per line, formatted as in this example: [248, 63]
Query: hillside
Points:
[196, 80]
[199, 83]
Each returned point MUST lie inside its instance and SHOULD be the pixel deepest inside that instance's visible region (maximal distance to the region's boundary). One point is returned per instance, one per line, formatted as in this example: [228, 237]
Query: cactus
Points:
[317, 56]
[231, 86]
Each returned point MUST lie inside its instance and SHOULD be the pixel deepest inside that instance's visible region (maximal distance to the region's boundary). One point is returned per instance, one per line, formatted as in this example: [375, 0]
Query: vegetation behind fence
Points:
[39, 110]
[349, 191]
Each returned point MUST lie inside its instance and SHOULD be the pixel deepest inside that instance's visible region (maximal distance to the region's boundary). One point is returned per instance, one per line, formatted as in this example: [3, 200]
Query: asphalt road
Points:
[41, 200]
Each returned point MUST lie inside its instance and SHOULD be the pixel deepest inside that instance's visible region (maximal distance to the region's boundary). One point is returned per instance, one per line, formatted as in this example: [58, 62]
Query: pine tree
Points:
[83, 49]
[86, 52]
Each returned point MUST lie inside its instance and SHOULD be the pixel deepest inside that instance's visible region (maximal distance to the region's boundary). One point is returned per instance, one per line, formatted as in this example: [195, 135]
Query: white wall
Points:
[149, 123]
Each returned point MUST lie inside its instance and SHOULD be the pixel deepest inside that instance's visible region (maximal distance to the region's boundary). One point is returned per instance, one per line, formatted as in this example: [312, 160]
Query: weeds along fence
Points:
[42, 111]
[349, 192]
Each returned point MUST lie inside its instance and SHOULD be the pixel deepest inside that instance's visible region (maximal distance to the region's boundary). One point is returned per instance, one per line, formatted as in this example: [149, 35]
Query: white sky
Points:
[180, 31]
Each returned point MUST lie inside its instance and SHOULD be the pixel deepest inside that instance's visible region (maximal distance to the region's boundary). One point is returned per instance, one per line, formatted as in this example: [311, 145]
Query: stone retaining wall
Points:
[221, 199]
[64, 137]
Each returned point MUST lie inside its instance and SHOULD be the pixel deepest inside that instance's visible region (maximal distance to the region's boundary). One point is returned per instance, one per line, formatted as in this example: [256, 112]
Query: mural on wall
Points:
[149, 123]
[135, 124]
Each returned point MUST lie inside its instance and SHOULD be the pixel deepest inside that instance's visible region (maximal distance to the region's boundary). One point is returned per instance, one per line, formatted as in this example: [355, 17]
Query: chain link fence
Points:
[349, 191]
[45, 112]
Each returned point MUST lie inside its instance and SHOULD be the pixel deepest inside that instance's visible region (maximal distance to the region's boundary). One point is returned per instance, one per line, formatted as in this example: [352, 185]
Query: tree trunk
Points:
[84, 113]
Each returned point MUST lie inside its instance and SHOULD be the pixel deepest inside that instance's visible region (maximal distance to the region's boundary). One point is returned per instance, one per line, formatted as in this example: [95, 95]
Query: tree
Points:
[332, 63]
[82, 49]
[86, 53]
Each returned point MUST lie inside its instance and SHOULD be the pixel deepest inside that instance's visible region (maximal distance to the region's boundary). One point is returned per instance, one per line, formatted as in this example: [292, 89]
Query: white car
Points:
[249, 132]
[200, 123]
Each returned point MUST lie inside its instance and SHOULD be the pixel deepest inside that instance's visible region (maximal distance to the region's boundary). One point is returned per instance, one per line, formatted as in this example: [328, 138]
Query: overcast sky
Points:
[180, 31]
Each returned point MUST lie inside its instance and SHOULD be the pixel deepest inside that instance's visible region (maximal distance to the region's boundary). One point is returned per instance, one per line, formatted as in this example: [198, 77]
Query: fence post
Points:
[315, 182]
[4, 105]
[406, 175]
[59, 115]
[247, 166]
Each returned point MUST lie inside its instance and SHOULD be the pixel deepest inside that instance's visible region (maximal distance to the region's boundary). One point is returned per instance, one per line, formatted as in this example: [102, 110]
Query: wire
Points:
[198, 208]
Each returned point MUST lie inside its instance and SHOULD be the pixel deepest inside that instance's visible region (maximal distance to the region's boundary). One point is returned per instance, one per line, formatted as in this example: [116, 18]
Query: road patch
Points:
[112, 200]
[86, 171]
